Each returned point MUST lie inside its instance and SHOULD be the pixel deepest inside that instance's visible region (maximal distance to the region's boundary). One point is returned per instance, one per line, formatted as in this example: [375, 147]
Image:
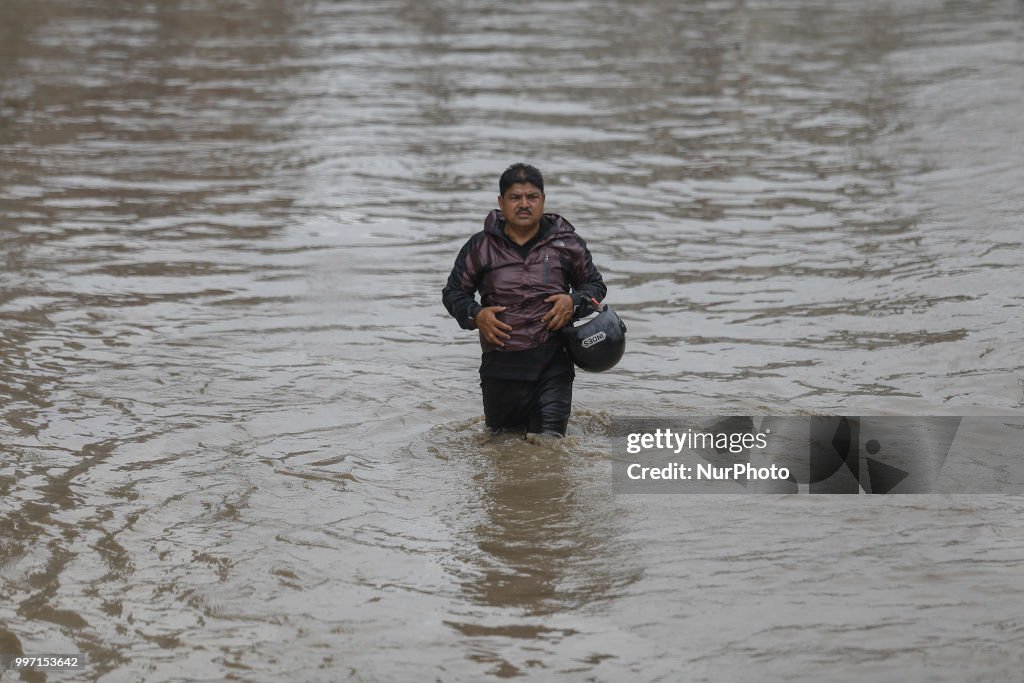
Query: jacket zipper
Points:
[546, 267]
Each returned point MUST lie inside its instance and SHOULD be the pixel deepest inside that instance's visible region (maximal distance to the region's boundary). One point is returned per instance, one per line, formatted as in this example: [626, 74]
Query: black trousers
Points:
[540, 407]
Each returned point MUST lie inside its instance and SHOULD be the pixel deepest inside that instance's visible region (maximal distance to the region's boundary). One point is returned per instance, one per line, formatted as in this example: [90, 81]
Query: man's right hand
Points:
[493, 330]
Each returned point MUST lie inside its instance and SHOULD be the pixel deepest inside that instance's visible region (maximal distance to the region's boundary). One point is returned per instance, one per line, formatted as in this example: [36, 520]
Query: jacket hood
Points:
[495, 224]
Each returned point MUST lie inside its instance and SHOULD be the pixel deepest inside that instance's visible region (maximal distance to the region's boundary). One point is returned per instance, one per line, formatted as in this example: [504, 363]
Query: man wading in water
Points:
[532, 272]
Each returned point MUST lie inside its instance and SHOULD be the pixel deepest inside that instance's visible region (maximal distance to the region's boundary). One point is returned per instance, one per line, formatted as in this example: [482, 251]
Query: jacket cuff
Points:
[579, 299]
[474, 308]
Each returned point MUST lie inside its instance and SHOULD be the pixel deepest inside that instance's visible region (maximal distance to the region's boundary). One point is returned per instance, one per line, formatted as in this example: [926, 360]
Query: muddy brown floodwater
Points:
[238, 428]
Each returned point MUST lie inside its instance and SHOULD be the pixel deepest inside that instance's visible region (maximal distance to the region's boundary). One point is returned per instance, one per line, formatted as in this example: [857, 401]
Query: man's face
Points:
[523, 206]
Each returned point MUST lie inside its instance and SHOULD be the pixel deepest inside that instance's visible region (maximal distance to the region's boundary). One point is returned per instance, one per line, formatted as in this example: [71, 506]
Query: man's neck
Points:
[522, 236]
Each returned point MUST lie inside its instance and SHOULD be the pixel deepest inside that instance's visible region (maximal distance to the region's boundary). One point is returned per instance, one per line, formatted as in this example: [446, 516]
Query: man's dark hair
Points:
[520, 173]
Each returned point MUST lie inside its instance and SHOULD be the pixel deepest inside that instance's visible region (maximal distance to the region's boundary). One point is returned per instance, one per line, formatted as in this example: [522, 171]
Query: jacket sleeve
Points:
[585, 280]
[458, 294]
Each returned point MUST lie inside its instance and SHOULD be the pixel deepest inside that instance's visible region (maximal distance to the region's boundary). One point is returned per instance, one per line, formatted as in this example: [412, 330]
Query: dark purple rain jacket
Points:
[558, 262]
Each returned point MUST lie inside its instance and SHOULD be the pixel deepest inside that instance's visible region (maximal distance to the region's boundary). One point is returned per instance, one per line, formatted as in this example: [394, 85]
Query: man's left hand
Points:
[560, 313]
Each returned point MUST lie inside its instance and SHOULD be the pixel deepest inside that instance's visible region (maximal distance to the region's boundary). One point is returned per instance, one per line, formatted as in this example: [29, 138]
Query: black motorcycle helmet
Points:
[596, 344]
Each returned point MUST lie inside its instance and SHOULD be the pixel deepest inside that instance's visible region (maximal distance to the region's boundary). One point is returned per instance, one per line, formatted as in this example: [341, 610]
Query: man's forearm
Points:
[462, 306]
